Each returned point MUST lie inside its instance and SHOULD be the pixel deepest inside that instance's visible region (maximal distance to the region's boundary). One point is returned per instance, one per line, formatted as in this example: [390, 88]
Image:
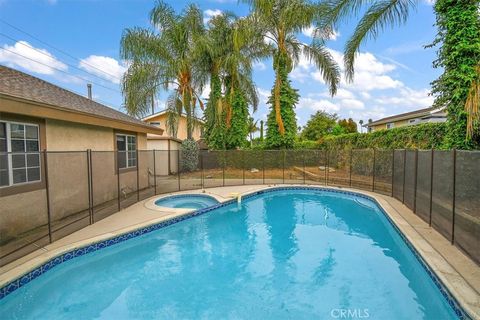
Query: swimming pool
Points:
[187, 201]
[295, 254]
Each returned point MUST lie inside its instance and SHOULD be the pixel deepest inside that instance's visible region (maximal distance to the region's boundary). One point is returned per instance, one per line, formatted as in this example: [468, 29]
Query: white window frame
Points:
[127, 151]
[9, 153]
[390, 125]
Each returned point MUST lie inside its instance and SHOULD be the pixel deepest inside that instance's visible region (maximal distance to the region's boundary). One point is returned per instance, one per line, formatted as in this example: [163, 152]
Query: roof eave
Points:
[60, 113]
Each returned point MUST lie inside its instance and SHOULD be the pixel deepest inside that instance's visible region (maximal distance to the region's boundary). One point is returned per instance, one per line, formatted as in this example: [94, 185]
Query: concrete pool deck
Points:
[457, 272]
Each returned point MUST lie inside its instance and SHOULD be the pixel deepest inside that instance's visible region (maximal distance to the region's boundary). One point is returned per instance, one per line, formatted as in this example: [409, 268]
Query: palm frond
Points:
[380, 15]
[325, 63]
[174, 110]
[472, 106]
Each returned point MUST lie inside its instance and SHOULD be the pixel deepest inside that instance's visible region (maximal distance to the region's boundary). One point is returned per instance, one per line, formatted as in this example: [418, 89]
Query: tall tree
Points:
[231, 46]
[167, 57]
[320, 124]
[376, 16]
[458, 23]
[280, 21]
[252, 128]
[349, 126]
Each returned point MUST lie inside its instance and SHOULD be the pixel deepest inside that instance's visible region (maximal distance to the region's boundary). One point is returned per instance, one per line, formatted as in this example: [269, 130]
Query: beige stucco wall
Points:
[21, 213]
[70, 136]
[182, 127]
[397, 124]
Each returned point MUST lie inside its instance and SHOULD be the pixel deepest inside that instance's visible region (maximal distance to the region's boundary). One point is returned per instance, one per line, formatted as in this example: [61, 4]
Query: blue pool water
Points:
[293, 254]
[190, 201]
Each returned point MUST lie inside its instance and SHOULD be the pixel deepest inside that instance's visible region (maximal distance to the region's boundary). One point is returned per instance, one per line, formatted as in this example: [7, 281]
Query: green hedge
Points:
[422, 136]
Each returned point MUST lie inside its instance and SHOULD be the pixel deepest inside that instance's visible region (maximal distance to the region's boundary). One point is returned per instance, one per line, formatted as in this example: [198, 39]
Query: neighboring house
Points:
[159, 120]
[407, 119]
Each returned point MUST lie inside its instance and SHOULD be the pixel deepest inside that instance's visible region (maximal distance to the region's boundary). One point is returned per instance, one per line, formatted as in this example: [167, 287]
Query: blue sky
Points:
[393, 72]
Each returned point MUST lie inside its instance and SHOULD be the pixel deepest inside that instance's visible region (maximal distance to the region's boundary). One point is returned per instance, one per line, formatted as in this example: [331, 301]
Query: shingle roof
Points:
[21, 85]
[416, 113]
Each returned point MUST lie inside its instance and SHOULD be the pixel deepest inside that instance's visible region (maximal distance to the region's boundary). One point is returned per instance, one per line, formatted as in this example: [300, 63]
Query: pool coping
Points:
[458, 292]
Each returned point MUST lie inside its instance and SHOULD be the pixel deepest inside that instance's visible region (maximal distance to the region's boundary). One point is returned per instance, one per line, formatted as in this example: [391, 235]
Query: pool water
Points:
[295, 254]
[190, 201]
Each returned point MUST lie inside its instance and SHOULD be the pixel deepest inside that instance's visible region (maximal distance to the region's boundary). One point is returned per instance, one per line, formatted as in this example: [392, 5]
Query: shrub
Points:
[189, 155]
[423, 136]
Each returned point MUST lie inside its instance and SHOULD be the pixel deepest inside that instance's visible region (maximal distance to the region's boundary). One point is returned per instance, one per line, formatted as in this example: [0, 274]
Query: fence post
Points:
[155, 169]
[47, 193]
[118, 182]
[224, 163]
[373, 170]
[415, 184]
[243, 166]
[326, 167]
[168, 157]
[454, 192]
[263, 167]
[90, 186]
[393, 169]
[178, 168]
[304, 172]
[350, 168]
[202, 171]
[283, 169]
[404, 167]
[431, 188]
[138, 176]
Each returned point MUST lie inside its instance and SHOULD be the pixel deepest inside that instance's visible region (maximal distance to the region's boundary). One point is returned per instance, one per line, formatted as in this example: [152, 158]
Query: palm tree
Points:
[162, 60]
[229, 49]
[361, 126]
[472, 106]
[280, 21]
[252, 128]
[378, 14]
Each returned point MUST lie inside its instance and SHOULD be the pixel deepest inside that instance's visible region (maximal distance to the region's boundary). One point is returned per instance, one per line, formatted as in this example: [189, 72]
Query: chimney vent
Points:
[89, 89]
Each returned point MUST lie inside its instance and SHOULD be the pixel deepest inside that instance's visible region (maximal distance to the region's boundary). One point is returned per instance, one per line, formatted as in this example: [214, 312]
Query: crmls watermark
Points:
[349, 313]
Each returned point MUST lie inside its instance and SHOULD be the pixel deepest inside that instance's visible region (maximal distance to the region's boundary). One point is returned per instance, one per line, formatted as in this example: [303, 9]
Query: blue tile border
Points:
[77, 252]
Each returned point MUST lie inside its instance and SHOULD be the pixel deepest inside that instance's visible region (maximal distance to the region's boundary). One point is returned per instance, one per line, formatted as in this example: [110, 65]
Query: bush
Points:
[422, 136]
[306, 144]
[189, 155]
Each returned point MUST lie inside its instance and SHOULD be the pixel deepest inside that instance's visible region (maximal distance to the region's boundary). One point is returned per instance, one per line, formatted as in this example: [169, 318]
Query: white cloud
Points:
[206, 91]
[316, 105]
[209, 14]
[352, 104]
[112, 69]
[47, 63]
[263, 94]
[310, 31]
[259, 66]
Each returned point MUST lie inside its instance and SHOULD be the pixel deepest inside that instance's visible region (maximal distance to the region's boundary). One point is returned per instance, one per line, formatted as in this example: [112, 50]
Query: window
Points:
[19, 153]
[126, 148]
[155, 123]
[411, 121]
[390, 125]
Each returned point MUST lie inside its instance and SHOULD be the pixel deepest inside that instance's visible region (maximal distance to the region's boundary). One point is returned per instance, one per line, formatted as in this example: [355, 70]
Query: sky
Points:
[72, 42]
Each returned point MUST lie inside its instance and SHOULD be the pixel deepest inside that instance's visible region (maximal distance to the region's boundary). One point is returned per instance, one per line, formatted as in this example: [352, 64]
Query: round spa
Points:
[187, 201]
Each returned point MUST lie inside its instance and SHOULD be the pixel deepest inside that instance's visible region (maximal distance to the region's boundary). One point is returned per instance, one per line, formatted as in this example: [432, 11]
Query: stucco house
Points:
[37, 116]
[159, 120]
[408, 119]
